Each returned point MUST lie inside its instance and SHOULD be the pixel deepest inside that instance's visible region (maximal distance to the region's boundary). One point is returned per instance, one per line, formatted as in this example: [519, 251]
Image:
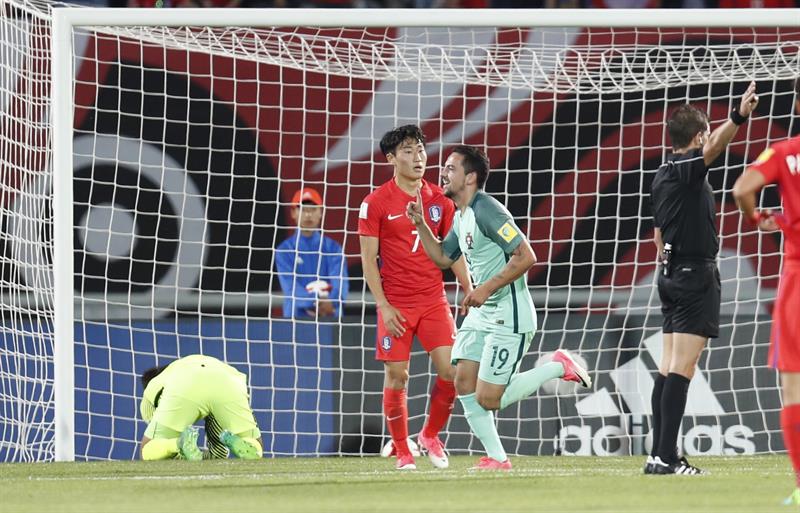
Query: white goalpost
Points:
[148, 183]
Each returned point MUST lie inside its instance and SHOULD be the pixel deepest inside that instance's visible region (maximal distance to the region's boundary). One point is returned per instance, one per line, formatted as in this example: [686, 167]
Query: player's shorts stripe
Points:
[520, 353]
[514, 306]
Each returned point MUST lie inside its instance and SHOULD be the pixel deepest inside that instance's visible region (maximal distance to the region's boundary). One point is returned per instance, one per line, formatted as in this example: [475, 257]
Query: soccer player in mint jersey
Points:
[501, 322]
[780, 164]
[408, 290]
[193, 388]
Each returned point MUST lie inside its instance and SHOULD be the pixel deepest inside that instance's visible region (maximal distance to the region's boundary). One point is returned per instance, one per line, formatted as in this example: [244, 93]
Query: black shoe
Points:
[682, 467]
[688, 469]
[649, 466]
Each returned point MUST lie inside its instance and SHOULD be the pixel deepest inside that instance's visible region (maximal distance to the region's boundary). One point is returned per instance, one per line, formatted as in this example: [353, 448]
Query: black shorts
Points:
[690, 298]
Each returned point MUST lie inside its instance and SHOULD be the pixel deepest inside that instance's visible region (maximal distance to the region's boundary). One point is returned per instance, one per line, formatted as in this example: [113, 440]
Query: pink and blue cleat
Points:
[487, 463]
[572, 371]
[435, 449]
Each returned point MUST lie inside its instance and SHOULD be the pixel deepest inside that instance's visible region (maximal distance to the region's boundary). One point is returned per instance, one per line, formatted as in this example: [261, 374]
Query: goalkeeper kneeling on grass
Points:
[193, 388]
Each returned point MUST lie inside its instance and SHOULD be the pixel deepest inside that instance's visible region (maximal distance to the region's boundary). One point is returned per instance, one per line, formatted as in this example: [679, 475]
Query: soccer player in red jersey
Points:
[408, 290]
[780, 164]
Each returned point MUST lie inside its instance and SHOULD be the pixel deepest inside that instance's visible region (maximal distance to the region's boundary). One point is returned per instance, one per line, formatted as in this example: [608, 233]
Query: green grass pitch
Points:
[559, 484]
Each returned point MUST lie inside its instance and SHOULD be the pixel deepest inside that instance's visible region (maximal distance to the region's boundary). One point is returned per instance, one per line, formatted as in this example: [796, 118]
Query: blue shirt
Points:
[301, 260]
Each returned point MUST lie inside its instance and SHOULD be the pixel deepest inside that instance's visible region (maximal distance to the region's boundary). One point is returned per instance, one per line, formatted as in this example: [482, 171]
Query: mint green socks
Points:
[522, 385]
[526, 383]
[482, 424]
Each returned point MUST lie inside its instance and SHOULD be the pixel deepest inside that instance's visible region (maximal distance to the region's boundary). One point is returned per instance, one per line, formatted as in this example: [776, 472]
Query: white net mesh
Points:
[190, 142]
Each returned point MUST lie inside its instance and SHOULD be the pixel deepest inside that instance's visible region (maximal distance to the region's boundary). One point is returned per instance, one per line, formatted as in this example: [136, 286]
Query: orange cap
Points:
[307, 194]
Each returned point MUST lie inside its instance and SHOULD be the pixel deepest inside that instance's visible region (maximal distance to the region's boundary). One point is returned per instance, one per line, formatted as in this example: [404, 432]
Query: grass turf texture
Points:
[576, 484]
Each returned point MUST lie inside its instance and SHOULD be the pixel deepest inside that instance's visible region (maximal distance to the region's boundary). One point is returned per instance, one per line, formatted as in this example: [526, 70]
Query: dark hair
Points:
[394, 137]
[149, 374]
[685, 123]
[797, 88]
[475, 161]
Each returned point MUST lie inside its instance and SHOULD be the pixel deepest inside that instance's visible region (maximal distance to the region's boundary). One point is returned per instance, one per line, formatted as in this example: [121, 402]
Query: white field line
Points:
[333, 475]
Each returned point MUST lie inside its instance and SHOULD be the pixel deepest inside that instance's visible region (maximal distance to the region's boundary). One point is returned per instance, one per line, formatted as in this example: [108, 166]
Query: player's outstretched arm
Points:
[432, 245]
[722, 135]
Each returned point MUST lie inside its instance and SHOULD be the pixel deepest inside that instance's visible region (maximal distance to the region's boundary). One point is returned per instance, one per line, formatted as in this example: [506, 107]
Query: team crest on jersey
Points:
[386, 343]
[435, 212]
[468, 240]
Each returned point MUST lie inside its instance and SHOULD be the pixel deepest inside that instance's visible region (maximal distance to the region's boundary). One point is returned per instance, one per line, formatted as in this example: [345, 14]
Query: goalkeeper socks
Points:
[443, 395]
[524, 384]
[396, 412]
[160, 449]
[790, 424]
[655, 404]
[673, 404]
[481, 422]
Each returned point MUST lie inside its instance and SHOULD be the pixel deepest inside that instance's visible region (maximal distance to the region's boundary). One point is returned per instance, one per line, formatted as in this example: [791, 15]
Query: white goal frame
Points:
[62, 104]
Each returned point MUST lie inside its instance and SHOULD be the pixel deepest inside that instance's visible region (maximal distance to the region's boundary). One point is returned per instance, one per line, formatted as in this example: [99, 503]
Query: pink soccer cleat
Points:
[487, 463]
[572, 371]
[405, 462]
[435, 449]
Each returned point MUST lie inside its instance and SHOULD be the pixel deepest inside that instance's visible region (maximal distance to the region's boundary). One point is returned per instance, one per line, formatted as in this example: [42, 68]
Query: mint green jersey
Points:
[485, 233]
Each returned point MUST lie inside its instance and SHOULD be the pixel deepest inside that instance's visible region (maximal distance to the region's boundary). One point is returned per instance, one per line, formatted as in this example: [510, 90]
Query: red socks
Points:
[790, 423]
[443, 394]
[396, 413]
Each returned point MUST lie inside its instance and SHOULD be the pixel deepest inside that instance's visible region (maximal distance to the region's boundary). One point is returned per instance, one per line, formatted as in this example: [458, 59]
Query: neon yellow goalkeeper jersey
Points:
[485, 233]
[196, 379]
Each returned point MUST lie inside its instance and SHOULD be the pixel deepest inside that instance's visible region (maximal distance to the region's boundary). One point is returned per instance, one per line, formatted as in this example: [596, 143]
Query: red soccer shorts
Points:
[432, 324]
[784, 351]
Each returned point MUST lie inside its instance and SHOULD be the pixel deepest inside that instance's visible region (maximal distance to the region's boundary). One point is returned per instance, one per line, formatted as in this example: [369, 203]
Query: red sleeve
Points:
[447, 218]
[769, 165]
[369, 217]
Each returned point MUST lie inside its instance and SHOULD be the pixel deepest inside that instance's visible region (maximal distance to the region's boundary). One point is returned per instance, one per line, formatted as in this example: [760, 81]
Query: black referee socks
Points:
[655, 404]
[673, 404]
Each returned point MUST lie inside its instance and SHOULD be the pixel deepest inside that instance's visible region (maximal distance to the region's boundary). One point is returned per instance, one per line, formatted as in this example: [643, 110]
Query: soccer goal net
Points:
[148, 173]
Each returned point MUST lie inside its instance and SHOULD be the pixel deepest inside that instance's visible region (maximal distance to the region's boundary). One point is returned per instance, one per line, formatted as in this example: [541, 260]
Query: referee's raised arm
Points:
[688, 278]
[723, 134]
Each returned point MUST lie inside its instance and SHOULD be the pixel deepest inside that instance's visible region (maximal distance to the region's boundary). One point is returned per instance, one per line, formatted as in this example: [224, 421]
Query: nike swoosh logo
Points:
[392, 218]
[390, 419]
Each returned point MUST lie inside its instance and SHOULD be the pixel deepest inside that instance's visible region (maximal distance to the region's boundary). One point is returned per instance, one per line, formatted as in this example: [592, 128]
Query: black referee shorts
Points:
[690, 298]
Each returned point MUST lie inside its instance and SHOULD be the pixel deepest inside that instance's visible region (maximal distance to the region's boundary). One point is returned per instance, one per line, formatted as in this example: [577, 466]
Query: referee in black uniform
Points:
[688, 278]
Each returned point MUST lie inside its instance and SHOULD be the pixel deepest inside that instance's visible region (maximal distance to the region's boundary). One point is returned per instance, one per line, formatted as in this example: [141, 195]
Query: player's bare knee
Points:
[488, 402]
[464, 386]
[448, 374]
[790, 388]
[684, 369]
[465, 383]
[397, 379]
